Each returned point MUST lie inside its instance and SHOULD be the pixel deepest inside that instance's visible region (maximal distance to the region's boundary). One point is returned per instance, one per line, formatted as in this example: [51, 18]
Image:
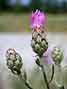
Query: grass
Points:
[11, 22]
[7, 22]
[53, 22]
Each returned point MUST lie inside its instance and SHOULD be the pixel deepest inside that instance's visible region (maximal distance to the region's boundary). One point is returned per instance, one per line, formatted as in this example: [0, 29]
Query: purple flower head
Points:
[37, 19]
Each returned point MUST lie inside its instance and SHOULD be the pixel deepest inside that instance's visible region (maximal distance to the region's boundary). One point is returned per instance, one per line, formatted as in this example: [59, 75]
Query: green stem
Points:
[52, 74]
[28, 85]
[43, 71]
[60, 86]
[25, 82]
[45, 78]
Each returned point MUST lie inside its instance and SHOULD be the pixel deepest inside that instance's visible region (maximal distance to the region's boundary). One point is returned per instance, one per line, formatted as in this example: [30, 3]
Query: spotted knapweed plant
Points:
[45, 55]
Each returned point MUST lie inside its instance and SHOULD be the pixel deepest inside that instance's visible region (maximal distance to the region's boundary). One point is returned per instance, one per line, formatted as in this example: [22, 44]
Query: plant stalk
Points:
[52, 74]
[25, 82]
[45, 77]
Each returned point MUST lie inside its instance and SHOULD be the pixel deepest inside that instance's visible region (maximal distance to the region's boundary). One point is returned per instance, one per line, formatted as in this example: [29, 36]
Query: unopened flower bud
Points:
[14, 61]
[39, 42]
[57, 55]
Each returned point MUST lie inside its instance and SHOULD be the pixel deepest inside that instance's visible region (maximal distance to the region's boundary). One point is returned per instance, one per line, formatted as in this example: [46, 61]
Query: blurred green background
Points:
[14, 14]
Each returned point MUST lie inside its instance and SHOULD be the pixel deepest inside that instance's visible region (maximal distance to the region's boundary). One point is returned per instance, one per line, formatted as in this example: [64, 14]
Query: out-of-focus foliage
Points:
[29, 5]
[2, 4]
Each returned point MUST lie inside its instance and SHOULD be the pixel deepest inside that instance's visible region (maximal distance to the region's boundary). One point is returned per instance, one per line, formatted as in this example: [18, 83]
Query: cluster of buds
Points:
[40, 46]
[57, 55]
[14, 61]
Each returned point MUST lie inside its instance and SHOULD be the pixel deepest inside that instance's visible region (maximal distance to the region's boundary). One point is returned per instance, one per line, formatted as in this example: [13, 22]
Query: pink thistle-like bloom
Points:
[37, 20]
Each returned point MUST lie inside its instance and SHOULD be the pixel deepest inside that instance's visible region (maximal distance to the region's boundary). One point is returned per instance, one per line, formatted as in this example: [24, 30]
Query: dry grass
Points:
[20, 22]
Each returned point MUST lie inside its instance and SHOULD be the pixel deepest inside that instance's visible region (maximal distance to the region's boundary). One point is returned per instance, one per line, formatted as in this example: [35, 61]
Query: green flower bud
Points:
[39, 42]
[57, 55]
[14, 61]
